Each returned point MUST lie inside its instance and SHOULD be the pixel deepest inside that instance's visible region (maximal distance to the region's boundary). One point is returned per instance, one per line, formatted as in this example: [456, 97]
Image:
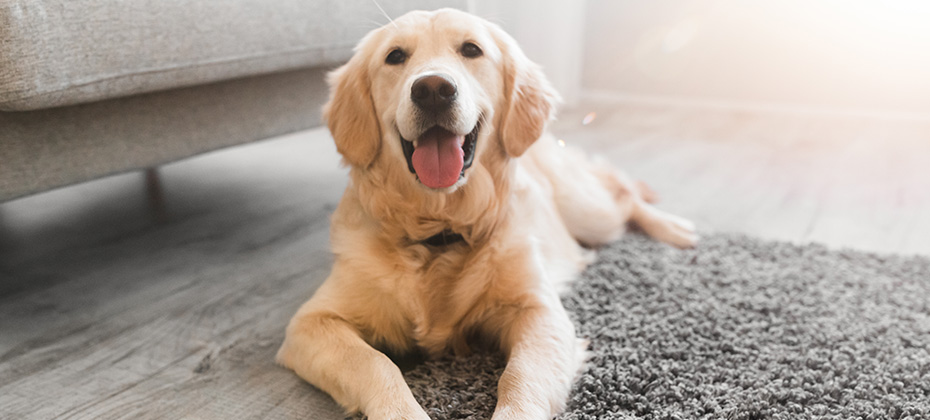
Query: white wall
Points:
[833, 54]
[551, 33]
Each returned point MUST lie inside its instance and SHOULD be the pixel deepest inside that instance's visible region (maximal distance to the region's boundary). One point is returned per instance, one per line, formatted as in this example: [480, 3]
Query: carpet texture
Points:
[738, 328]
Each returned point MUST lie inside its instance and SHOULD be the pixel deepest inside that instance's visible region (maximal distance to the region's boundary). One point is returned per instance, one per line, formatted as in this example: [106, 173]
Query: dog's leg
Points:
[543, 359]
[593, 214]
[328, 352]
[648, 194]
[665, 227]
[596, 200]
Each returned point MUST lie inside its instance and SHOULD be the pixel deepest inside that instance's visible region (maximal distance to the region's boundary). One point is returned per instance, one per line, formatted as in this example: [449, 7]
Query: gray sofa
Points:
[90, 88]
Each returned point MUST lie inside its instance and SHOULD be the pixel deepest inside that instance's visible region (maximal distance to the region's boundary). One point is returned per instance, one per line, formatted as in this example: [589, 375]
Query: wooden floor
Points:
[118, 304]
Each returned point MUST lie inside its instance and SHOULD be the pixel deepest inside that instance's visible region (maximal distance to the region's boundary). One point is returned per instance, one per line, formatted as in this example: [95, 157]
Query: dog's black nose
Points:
[433, 92]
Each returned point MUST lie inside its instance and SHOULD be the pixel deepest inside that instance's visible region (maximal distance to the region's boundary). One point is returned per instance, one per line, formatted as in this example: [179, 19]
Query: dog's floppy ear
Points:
[350, 113]
[530, 100]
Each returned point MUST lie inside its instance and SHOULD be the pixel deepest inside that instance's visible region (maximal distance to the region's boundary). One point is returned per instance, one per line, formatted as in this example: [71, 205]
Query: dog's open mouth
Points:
[440, 157]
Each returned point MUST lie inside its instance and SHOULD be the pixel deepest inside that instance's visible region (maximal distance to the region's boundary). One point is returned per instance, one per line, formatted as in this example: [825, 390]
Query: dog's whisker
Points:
[384, 13]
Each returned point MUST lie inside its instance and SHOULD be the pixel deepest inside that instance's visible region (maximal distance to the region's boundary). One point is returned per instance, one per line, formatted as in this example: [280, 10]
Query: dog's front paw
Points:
[421, 415]
[407, 412]
[520, 412]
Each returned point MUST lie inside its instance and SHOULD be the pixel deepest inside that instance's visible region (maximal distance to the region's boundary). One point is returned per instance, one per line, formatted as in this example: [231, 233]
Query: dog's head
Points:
[435, 93]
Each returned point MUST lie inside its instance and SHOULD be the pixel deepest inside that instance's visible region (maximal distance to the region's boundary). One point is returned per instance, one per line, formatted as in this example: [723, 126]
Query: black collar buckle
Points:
[444, 238]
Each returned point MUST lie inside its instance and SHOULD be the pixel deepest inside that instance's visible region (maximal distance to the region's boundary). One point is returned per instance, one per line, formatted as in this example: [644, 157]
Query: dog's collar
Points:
[444, 238]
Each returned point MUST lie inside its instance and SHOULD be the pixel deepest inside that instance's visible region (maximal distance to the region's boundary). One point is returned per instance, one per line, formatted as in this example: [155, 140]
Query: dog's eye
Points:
[470, 50]
[397, 56]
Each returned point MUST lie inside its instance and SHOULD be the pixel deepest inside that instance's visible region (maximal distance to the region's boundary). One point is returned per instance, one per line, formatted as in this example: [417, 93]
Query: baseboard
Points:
[602, 96]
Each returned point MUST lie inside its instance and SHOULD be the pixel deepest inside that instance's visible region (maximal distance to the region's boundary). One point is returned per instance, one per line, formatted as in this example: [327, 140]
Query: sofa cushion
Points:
[49, 148]
[62, 52]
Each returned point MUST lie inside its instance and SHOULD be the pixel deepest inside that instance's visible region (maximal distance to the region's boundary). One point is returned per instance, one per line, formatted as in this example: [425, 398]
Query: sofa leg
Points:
[155, 195]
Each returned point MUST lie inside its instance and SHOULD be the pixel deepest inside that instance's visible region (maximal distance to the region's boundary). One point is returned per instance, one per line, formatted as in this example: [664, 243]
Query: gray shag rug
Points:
[737, 328]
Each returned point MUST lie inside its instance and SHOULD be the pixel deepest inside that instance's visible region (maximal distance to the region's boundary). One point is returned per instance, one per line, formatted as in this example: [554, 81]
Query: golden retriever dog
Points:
[461, 220]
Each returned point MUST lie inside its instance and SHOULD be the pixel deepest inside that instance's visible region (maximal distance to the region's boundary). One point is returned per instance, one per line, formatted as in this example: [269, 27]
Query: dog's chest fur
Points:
[438, 298]
[446, 297]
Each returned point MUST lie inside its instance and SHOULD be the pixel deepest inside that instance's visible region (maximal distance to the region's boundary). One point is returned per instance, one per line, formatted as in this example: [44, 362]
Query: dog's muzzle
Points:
[439, 156]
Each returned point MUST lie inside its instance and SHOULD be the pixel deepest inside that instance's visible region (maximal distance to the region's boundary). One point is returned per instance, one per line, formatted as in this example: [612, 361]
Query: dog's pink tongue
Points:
[438, 158]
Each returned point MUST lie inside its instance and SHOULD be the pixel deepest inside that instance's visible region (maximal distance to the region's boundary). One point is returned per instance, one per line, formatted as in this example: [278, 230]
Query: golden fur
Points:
[524, 208]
